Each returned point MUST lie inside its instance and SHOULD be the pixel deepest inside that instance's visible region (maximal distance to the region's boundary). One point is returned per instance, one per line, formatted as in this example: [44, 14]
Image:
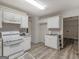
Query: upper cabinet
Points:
[0, 18]
[53, 22]
[24, 22]
[9, 17]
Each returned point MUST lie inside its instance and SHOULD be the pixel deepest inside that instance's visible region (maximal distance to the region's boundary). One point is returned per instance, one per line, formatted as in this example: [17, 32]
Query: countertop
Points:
[52, 34]
[26, 36]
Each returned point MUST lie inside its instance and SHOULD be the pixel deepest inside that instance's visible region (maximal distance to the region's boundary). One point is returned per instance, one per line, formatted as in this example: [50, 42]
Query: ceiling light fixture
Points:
[36, 4]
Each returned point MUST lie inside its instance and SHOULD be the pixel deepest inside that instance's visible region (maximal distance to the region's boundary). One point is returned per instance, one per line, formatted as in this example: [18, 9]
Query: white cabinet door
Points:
[17, 18]
[24, 22]
[53, 22]
[10, 17]
[0, 18]
[52, 41]
[27, 43]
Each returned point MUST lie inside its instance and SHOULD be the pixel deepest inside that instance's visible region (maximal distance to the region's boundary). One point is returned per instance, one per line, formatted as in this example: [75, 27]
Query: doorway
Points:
[70, 33]
[42, 31]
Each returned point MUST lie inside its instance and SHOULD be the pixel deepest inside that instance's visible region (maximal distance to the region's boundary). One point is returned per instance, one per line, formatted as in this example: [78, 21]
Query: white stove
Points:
[12, 44]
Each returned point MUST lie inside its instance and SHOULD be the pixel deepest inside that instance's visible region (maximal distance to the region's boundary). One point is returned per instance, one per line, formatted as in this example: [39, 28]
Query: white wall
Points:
[70, 13]
[35, 29]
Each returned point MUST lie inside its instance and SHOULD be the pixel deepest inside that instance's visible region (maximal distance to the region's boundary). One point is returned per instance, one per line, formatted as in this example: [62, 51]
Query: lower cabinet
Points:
[27, 43]
[52, 41]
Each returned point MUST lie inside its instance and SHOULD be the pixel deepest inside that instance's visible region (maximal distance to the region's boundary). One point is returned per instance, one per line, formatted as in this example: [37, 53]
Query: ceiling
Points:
[53, 6]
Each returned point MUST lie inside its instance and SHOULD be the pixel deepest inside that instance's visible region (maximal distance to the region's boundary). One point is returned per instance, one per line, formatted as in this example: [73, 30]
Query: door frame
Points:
[43, 38]
[61, 32]
[78, 35]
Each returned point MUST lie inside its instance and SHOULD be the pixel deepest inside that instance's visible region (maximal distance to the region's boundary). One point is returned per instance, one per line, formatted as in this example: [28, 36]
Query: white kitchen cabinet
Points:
[0, 18]
[24, 22]
[53, 22]
[9, 17]
[27, 43]
[51, 41]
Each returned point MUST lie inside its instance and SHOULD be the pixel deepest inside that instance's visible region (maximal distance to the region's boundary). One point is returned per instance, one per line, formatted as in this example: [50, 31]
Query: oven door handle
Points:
[12, 43]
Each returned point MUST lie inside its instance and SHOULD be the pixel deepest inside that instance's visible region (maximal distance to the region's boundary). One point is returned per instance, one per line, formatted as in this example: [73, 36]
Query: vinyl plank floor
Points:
[39, 51]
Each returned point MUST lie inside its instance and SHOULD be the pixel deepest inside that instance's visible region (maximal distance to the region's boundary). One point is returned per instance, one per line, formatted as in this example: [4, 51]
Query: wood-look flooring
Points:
[40, 51]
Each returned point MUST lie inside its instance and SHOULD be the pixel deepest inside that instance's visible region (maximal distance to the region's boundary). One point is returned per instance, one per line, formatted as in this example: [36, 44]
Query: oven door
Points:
[11, 49]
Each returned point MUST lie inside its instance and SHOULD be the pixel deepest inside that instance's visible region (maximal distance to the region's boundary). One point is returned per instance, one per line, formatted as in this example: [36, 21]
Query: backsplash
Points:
[10, 27]
[53, 32]
[24, 30]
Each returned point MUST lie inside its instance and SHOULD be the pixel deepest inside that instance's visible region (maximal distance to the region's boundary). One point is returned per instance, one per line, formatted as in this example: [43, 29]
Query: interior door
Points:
[42, 31]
